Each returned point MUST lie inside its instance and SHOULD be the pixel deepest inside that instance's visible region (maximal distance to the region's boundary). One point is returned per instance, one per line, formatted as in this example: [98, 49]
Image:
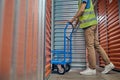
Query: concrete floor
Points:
[74, 75]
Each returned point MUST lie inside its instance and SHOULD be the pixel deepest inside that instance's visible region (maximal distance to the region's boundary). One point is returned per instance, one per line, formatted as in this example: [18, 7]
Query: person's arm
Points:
[79, 12]
[77, 21]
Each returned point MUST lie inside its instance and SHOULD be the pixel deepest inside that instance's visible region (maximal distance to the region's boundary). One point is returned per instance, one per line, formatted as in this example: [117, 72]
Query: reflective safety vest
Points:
[88, 18]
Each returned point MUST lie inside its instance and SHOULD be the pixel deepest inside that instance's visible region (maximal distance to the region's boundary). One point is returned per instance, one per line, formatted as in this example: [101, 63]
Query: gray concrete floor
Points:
[74, 75]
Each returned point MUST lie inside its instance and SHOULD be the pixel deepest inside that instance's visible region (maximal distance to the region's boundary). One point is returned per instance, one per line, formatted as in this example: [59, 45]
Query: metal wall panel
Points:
[7, 37]
[20, 69]
[64, 10]
[41, 40]
[15, 40]
[29, 39]
[1, 26]
[35, 39]
[22, 39]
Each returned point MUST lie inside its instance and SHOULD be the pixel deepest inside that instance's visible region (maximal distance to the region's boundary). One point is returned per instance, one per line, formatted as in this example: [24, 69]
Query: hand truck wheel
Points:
[67, 67]
[54, 67]
[61, 71]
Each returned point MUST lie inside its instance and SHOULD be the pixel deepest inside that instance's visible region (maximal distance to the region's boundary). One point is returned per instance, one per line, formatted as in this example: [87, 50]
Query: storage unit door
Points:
[113, 20]
[64, 10]
[102, 27]
[109, 36]
[48, 38]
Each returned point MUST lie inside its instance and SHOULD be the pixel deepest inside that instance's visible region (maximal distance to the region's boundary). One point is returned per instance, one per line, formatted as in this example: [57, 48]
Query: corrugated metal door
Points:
[48, 37]
[102, 26]
[112, 23]
[64, 10]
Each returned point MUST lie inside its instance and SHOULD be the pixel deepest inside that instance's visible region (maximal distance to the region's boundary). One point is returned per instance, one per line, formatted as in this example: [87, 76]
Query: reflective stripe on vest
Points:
[88, 18]
[89, 12]
[84, 21]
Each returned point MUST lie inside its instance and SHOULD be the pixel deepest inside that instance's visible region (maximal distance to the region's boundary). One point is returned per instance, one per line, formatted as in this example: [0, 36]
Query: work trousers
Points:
[92, 44]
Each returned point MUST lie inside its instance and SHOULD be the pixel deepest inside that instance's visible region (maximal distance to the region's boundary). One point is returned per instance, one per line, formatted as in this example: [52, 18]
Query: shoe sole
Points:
[87, 74]
[109, 70]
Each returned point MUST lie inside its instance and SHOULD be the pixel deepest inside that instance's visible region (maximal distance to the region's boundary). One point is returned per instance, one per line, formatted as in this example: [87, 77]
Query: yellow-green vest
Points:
[88, 18]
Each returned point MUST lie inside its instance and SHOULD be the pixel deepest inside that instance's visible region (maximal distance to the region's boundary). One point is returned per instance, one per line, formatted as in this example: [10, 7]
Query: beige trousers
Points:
[92, 44]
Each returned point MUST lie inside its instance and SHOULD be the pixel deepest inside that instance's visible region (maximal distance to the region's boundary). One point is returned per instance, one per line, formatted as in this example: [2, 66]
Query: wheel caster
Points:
[61, 70]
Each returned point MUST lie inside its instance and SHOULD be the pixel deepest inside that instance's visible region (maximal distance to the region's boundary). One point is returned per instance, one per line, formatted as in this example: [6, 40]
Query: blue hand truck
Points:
[63, 57]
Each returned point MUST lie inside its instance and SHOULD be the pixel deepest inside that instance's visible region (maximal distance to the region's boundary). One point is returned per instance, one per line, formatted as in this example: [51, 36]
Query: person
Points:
[88, 21]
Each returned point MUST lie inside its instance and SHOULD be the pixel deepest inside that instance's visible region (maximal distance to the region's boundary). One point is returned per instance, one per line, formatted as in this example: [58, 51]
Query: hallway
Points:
[31, 29]
[74, 75]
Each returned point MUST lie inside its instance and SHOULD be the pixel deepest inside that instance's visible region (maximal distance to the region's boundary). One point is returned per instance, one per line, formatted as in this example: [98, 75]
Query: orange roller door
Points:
[48, 38]
[102, 27]
[113, 30]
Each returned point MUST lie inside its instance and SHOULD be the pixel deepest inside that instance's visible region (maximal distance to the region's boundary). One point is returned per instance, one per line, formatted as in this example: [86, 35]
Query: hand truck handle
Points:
[69, 23]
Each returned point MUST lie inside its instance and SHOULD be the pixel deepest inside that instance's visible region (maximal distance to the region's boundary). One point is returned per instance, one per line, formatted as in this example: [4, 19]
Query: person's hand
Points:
[71, 21]
[76, 23]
